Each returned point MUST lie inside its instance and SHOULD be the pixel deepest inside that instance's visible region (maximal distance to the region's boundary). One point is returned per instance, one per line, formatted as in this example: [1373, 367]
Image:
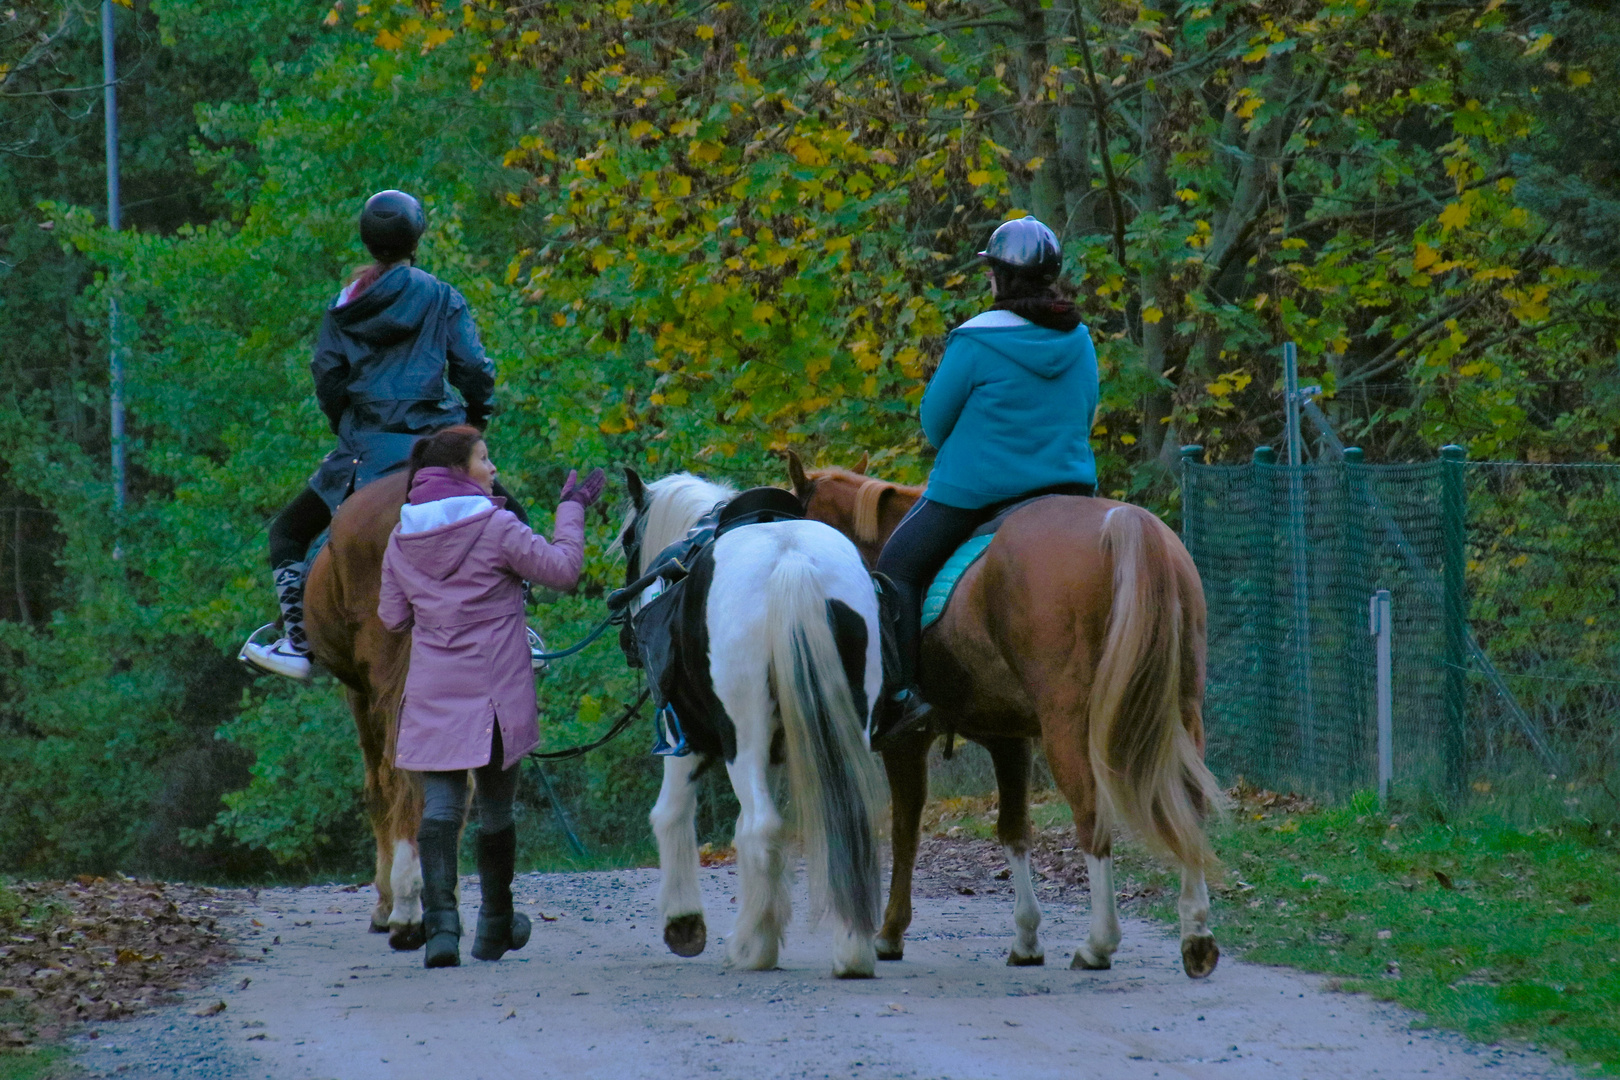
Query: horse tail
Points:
[1146, 703]
[832, 776]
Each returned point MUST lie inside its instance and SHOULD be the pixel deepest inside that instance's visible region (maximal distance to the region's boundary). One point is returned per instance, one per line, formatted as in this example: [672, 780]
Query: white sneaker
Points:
[277, 659]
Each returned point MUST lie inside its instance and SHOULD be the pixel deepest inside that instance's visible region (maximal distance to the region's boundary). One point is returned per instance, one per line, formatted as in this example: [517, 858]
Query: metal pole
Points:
[1303, 638]
[1454, 521]
[115, 363]
[1379, 626]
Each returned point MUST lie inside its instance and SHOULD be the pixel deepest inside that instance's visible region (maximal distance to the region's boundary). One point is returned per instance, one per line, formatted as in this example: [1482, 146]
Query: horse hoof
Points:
[1014, 960]
[1199, 954]
[686, 935]
[1085, 962]
[379, 928]
[407, 938]
[891, 952]
[855, 974]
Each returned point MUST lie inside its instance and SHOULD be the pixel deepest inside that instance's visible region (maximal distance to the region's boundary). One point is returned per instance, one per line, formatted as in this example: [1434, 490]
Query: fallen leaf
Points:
[547, 918]
[210, 1010]
[243, 985]
[1444, 879]
[509, 1016]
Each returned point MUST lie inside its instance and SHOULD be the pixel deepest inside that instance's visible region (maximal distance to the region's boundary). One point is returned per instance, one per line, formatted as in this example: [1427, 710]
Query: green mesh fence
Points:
[1504, 581]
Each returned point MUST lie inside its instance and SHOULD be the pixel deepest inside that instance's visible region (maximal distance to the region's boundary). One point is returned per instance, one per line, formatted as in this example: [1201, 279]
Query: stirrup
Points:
[267, 659]
[666, 724]
[537, 651]
[915, 716]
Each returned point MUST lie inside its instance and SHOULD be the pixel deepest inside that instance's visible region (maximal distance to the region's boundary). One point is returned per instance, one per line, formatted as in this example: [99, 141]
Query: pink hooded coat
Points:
[458, 587]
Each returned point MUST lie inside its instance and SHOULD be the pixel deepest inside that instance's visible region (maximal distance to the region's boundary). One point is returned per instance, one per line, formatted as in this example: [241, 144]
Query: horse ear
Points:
[860, 466]
[803, 486]
[638, 490]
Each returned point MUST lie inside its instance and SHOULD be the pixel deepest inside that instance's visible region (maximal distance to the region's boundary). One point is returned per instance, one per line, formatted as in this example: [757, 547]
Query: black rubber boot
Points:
[500, 929]
[437, 840]
[900, 709]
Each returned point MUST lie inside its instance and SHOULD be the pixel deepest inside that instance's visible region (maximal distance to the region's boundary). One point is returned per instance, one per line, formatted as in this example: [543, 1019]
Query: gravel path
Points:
[596, 995]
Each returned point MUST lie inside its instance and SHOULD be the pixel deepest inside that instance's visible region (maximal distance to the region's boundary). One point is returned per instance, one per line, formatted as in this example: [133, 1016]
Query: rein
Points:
[619, 727]
[596, 631]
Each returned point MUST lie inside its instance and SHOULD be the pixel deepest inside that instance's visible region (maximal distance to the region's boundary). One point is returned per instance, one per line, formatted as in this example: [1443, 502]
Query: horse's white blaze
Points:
[405, 876]
[1103, 940]
[1193, 904]
[673, 824]
[1026, 909]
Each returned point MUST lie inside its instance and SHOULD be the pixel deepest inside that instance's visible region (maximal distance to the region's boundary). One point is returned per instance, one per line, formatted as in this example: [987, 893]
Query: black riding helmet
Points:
[1024, 248]
[391, 224]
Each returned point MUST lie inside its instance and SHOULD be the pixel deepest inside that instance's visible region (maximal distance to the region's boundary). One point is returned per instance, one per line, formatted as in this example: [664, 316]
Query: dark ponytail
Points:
[1034, 296]
[448, 449]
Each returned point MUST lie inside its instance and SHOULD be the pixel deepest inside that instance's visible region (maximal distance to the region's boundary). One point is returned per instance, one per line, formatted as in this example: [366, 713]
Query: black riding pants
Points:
[914, 554]
[303, 519]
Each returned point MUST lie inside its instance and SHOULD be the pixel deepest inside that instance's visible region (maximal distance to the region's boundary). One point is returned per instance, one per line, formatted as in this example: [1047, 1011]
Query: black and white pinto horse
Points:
[780, 627]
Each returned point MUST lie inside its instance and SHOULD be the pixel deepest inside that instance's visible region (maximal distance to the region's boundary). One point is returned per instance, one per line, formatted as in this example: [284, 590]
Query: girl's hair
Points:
[1038, 297]
[451, 448]
[365, 277]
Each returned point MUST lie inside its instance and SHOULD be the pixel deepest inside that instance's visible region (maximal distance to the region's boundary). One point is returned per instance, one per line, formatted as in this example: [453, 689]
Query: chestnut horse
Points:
[1082, 626]
[347, 638]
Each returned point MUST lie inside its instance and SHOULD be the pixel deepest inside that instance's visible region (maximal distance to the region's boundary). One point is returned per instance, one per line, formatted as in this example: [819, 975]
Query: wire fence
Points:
[1504, 580]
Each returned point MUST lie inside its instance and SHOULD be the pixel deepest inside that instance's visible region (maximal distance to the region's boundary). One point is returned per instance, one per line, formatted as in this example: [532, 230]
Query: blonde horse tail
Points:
[1146, 702]
[832, 776]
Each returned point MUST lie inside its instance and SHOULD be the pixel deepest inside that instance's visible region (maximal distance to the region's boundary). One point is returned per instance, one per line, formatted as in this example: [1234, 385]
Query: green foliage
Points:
[696, 237]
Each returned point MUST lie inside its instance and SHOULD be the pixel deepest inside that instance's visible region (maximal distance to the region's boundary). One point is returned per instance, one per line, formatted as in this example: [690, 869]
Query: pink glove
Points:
[585, 492]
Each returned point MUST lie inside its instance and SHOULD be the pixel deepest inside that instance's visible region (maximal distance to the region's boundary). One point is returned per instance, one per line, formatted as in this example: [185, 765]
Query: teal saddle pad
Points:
[939, 593]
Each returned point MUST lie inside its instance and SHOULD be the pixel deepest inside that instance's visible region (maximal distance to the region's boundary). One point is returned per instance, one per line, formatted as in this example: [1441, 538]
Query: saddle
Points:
[669, 637]
[943, 587]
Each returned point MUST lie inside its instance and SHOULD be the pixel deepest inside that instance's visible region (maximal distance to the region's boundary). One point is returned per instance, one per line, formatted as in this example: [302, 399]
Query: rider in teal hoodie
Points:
[1010, 411]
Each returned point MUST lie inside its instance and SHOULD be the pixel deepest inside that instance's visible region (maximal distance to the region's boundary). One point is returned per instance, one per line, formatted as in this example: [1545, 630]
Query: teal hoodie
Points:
[1010, 410]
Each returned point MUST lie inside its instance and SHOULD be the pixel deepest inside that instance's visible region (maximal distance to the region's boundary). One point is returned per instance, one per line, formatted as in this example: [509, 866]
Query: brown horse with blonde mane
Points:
[1083, 626]
[349, 640]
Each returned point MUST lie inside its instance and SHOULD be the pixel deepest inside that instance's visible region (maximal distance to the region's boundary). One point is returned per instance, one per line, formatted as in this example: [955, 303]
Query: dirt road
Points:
[596, 995]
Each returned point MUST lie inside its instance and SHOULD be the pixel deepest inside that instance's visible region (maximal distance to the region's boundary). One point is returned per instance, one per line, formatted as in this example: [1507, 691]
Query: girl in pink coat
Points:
[453, 575]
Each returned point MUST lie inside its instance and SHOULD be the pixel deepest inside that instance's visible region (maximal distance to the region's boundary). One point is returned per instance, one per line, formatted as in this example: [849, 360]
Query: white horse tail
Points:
[833, 777]
[1147, 697]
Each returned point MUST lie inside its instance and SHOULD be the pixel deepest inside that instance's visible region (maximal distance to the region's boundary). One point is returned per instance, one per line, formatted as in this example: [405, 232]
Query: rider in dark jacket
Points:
[394, 349]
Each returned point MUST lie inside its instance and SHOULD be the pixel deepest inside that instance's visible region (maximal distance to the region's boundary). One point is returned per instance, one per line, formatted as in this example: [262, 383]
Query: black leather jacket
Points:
[384, 367]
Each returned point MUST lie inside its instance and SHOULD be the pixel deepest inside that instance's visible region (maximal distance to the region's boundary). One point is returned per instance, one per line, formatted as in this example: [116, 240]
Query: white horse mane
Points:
[674, 504]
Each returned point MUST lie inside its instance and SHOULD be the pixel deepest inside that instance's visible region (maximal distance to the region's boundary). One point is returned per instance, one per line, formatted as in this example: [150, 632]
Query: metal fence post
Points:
[1264, 739]
[1454, 520]
[1379, 627]
[1191, 454]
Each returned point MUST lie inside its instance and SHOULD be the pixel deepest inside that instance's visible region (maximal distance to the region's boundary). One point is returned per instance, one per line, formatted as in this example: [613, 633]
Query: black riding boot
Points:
[436, 840]
[499, 928]
[900, 708]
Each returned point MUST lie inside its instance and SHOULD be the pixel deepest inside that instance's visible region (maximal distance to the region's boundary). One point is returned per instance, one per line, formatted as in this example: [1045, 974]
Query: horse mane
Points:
[869, 492]
[674, 504]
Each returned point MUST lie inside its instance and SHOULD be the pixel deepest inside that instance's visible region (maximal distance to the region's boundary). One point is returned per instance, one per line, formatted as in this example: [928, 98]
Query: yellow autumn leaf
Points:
[1151, 314]
[1424, 257]
[1454, 216]
[705, 32]
[978, 177]
[387, 39]
[438, 36]
[1542, 43]
[1128, 439]
[1256, 54]
[704, 151]
[331, 17]
[1579, 76]
[529, 37]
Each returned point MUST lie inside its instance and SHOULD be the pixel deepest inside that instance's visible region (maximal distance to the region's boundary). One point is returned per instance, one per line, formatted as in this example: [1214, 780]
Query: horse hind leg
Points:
[764, 904]
[673, 818]
[906, 763]
[1011, 759]
[1199, 953]
[1071, 769]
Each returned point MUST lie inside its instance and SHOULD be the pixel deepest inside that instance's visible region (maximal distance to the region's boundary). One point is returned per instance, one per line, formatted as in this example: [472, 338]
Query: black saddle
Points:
[669, 637]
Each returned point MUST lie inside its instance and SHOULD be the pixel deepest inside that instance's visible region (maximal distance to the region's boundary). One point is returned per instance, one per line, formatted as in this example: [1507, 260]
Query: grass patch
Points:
[1489, 928]
[36, 1064]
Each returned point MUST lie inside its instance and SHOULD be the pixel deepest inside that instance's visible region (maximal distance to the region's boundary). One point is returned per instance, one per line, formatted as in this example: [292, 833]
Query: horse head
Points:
[863, 508]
